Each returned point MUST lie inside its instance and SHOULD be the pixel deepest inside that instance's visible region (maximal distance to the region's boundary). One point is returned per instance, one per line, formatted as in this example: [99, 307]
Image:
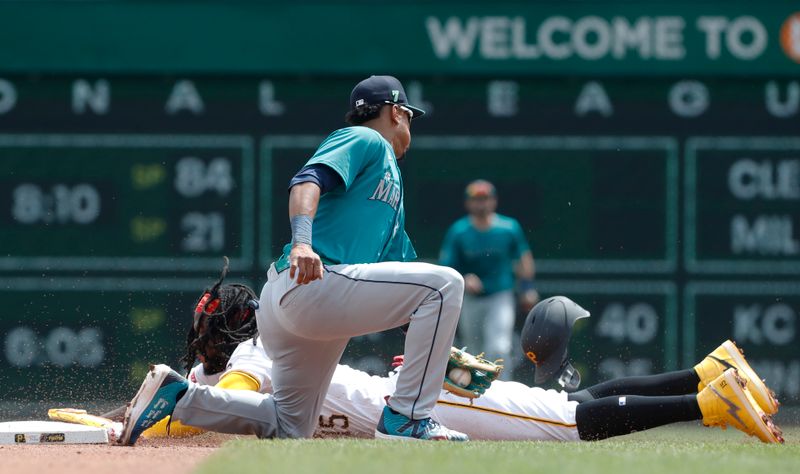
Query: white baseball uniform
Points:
[352, 406]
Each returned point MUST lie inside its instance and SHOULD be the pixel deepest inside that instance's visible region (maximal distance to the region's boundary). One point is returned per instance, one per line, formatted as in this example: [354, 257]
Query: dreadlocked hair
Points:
[230, 320]
[362, 114]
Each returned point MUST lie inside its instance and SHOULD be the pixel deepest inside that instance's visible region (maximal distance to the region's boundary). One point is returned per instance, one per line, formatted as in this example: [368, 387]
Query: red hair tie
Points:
[202, 303]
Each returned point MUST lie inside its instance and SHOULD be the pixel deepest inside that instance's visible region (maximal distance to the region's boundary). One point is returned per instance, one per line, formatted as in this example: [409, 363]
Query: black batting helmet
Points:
[545, 337]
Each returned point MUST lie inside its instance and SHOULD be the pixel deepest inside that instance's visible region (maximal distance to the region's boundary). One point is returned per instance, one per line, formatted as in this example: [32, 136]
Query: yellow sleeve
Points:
[234, 380]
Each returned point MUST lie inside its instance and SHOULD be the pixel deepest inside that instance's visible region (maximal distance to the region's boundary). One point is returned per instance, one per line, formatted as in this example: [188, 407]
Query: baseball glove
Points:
[481, 373]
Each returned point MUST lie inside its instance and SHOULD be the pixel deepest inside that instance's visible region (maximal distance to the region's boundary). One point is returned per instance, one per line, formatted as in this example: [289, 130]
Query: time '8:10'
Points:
[57, 204]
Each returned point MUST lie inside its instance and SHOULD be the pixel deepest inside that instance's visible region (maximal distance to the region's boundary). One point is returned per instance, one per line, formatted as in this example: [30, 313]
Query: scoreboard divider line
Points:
[265, 216]
[108, 284]
[247, 237]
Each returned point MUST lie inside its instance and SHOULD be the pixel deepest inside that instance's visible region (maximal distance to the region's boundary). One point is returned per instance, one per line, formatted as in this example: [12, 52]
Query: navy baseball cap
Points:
[381, 90]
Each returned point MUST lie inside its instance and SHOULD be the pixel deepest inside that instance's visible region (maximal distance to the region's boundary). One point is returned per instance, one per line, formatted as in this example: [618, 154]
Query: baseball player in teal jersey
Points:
[488, 249]
[346, 273]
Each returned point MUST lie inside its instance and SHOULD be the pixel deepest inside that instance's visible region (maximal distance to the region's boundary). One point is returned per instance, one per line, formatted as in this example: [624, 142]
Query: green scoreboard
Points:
[589, 204]
[743, 205]
[762, 317]
[73, 339]
[632, 329]
[650, 151]
[126, 202]
[667, 207]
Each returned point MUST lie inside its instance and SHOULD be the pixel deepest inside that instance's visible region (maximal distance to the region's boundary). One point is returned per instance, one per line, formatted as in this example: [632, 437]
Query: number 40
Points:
[637, 323]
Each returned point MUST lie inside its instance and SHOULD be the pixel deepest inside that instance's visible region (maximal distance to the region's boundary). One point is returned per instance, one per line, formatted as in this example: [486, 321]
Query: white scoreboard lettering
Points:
[744, 191]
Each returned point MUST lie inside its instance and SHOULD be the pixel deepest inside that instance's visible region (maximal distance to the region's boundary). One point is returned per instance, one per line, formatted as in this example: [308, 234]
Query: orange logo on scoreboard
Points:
[790, 37]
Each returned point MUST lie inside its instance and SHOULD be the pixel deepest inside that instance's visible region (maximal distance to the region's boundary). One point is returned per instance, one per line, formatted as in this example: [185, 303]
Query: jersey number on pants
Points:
[334, 425]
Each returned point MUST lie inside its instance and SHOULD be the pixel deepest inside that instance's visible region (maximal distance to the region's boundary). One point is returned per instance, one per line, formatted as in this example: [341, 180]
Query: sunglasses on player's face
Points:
[408, 111]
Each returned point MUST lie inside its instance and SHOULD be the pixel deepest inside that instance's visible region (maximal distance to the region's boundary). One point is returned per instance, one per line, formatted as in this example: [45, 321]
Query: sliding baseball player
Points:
[715, 390]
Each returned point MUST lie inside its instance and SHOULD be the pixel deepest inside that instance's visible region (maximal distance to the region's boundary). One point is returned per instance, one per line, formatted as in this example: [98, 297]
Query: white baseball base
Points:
[50, 432]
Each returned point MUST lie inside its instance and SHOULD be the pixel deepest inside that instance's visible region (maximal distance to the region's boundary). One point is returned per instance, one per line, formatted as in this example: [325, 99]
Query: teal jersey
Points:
[489, 253]
[361, 221]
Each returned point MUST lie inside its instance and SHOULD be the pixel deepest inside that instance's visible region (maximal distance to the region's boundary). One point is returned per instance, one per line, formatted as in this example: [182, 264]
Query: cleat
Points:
[727, 402]
[773, 427]
[726, 356]
[155, 400]
[395, 426]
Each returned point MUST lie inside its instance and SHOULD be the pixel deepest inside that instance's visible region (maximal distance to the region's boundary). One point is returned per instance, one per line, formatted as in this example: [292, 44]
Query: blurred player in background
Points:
[489, 250]
[353, 277]
[506, 411]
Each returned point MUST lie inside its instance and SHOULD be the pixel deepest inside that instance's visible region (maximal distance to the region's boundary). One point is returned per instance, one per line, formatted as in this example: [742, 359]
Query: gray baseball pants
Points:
[487, 325]
[305, 328]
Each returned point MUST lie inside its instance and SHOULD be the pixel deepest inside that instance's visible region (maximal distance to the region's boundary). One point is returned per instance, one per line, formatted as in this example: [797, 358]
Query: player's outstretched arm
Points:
[233, 380]
[303, 261]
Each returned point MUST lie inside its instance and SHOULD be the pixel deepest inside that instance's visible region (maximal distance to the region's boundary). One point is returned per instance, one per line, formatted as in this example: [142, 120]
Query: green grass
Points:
[666, 450]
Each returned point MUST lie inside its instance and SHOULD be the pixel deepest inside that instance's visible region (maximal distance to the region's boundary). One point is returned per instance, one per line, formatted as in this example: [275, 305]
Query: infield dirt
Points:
[173, 456]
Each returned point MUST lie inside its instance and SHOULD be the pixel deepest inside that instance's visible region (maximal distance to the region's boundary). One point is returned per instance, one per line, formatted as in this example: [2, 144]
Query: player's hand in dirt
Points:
[305, 263]
[473, 284]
